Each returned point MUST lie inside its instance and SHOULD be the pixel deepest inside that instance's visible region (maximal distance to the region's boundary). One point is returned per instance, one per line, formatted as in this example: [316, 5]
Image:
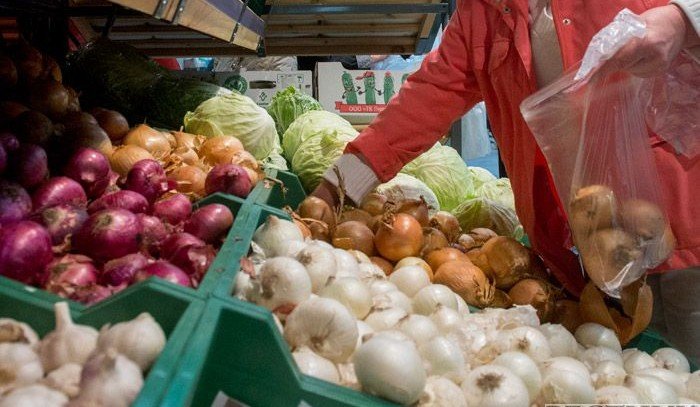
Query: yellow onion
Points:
[149, 139]
[185, 155]
[245, 159]
[124, 157]
[188, 140]
[467, 280]
[189, 179]
[220, 150]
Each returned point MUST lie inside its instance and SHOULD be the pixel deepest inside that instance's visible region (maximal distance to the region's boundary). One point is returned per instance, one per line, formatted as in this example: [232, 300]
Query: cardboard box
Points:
[260, 86]
[358, 96]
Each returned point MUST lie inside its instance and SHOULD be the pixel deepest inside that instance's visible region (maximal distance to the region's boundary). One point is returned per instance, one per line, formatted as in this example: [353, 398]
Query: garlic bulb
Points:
[314, 365]
[68, 343]
[442, 357]
[382, 319]
[440, 392]
[350, 292]
[275, 234]
[284, 283]
[320, 264]
[35, 395]
[347, 376]
[363, 331]
[109, 379]
[390, 369]
[16, 331]
[19, 366]
[615, 395]
[244, 286]
[525, 368]
[492, 385]
[65, 379]
[427, 299]
[141, 339]
[325, 326]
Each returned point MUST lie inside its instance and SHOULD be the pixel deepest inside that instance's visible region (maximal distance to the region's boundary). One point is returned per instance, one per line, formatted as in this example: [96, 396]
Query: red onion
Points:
[229, 178]
[90, 169]
[59, 190]
[122, 270]
[25, 250]
[92, 293]
[210, 223]
[173, 209]
[3, 159]
[177, 241]
[15, 203]
[65, 273]
[9, 142]
[61, 221]
[188, 252]
[153, 233]
[164, 270]
[30, 165]
[108, 234]
[147, 177]
[129, 200]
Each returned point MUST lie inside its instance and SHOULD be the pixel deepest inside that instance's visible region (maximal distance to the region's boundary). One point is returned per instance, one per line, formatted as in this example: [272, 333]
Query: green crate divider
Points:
[224, 257]
[238, 349]
[175, 308]
[278, 189]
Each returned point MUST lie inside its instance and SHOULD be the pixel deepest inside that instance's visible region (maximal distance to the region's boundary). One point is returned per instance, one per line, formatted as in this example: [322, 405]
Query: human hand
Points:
[327, 191]
[667, 32]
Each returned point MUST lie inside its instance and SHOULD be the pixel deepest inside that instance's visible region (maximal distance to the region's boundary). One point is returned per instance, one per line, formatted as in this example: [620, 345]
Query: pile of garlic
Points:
[76, 364]
[415, 343]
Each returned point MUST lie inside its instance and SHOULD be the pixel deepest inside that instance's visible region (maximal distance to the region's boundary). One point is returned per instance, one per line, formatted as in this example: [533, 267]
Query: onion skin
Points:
[354, 235]
[228, 178]
[210, 223]
[399, 236]
[164, 270]
[188, 253]
[91, 136]
[479, 259]
[67, 272]
[467, 280]
[124, 199]
[149, 139]
[153, 233]
[124, 157]
[122, 270]
[509, 260]
[643, 219]
[220, 150]
[417, 208]
[592, 208]
[50, 98]
[15, 203]
[373, 204]
[356, 215]
[113, 123]
[607, 253]
[9, 141]
[383, 264]
[482, 235]
[58, 191]
[501, 299]
[316, 208]
[90, 169]
[32, 127]
[189, 179]
[437, 258]
[305, 231]
[448, 224]
[147, 177]
[25, 250]
[433, 239]
[61, 221]
[174, 209]
[108, 234]
[536, 293]
[30, 165]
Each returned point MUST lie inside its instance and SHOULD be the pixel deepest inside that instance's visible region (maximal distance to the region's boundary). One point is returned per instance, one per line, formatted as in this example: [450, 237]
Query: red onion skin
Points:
[173, 209]
[210, 223]
[122, 270]
[147, 177]
[90, 169]
[9, 142]
[177, 241]
[15, 203]
[92, 294]
[108, 234]
[229, 178]
[166, 271]
[61, 221]
[69, 271]
[3, 159]
[57, 191]
[129, 200]
[194, 260]
[25, 250]
[30, 165]
[153, 233]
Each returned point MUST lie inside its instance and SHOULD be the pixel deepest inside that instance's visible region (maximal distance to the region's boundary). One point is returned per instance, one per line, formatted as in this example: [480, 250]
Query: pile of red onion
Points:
[83, 237]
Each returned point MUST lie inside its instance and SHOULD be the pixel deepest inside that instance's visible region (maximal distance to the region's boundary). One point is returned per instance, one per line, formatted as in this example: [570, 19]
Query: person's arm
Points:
[669, 29]
[443, 89]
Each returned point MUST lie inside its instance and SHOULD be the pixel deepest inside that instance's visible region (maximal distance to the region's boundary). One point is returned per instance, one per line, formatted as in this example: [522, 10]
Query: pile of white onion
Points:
[412, 342]
[76, 363]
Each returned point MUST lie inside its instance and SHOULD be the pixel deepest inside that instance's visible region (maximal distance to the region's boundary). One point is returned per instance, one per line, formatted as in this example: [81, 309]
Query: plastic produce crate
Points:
[224, 258]
[238, 350]
[175, 308]
[649, 341]
[278, 189]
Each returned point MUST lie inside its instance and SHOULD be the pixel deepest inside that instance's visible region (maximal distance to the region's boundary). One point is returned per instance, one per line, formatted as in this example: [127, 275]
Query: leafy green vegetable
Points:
[404, 186]
[309, 125]
[171, 99]
[480, 176]
[444, 171]
[498, 190]
[289, 104]
[317, 153]
[484, 213]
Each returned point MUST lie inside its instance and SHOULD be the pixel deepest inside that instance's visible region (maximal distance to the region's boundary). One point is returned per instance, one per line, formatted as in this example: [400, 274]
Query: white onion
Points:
[350, 292]
[314, 365]
[516, 316]
[492, 385]
[393, 299]
[591, 357]
[524, 339]
[346, 264]
[591, 334]
[525, 368]
[446, 319]
[418, 327]
[666, 376]
[390, 369]
[294, 247]
[368, 272]
[393, 334]
[555, 366]
[561, 341]
[566, 387]
[325, 326]
[377, 287]
[607, 373]
[639, 360]
[470, 341]
[462, 306]
[426, 301]
[382, 319]
[321, 243]
[360, 257]
[444, 358]
[275, 234]
[244, 286]
[410, 279]
[283, 283]
[319, 263]
[671, 359]
[440, 392]
[615, 395]
[692, 386]
[363, 331]
[651, 390]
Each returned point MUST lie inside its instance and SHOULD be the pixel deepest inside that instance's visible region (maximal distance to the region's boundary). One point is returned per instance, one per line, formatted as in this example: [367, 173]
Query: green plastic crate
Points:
[224, 258]
[237, 349]
[278, 189]
[649, 341]
[175, 308]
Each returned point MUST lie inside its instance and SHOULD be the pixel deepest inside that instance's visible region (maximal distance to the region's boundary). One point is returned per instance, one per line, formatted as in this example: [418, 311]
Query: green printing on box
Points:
[176, 309]
[279, 189]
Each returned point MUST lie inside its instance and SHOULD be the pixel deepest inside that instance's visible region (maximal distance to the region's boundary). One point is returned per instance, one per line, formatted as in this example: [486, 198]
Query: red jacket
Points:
[485, 55]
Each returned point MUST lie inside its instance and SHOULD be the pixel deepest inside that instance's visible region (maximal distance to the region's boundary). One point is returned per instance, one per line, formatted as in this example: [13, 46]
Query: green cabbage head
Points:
[498, 190]
[289, 104]
[404, 186]
[482, 212]
[318, 153]
[480, 176]
[309, 125]
[445, 173]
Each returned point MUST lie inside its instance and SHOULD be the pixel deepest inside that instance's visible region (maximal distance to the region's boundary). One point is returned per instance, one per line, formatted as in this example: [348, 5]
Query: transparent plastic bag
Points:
[592, 130]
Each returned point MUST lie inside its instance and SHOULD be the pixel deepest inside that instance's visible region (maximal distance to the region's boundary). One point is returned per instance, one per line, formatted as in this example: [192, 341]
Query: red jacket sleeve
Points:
[429, 102]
